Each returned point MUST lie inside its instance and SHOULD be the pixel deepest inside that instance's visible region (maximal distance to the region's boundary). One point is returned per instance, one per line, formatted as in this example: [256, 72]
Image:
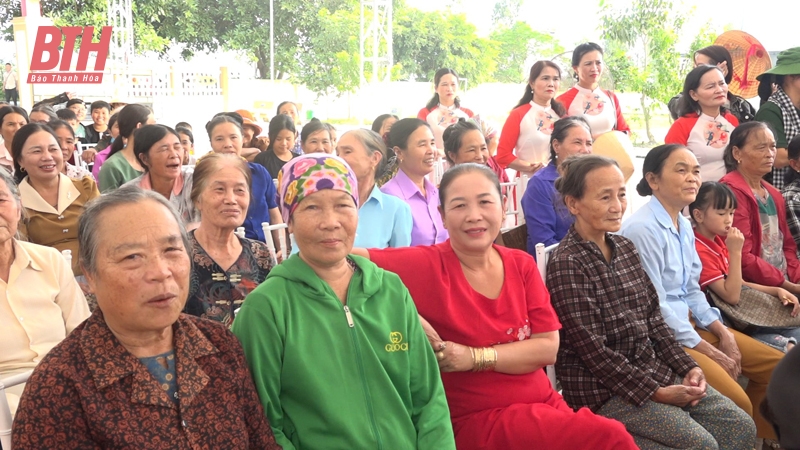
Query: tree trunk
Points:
[646, 113]
[262, 63]
[263, 69]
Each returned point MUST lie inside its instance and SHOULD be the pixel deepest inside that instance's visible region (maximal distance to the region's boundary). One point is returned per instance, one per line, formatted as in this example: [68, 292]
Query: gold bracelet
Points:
[483, 358]
[493, 358]
[476, 360]
[472, 352]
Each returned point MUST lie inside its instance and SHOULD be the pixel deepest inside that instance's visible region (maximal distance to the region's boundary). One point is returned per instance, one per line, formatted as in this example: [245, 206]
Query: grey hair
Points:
[12, 186]
[372, 143]
[47, 109]
[6, 177]
[91, 218]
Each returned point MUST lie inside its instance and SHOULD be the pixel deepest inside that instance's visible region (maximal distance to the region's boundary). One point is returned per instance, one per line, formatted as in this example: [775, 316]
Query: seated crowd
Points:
[148, 291]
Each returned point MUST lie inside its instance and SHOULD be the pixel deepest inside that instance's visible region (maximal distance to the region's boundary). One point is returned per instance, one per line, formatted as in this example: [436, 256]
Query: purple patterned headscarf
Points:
[312, 173]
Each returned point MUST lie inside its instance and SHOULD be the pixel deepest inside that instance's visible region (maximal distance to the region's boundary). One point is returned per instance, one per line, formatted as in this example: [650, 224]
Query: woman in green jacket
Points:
[334, 343]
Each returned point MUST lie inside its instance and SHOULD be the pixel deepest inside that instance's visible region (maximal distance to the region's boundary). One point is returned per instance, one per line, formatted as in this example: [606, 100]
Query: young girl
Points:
[712, 213]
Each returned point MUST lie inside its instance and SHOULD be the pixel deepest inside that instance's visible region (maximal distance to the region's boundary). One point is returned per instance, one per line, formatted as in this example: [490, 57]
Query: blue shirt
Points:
[383, 221]
[263, 197]
[546, 216]
[166, 376]
[670, 259]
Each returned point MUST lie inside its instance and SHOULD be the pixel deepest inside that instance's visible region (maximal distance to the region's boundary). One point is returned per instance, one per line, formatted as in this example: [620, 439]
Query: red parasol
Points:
[750, 59]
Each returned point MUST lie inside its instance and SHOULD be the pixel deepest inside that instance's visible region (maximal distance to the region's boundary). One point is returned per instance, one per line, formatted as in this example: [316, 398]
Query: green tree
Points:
[427, 41]
[331, 66]
[506, 12]
[645, 35]
[703, 38]
[149, 17]
[316, 41]
[203, 25]
[244, 25]
[518, 44]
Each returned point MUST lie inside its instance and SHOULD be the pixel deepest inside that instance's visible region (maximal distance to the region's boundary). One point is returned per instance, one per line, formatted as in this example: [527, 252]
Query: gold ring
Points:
[440, 355]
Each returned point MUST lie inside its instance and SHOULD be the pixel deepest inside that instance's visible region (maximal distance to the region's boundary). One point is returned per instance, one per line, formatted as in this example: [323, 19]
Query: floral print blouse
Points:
[216, 293]
[91, 393]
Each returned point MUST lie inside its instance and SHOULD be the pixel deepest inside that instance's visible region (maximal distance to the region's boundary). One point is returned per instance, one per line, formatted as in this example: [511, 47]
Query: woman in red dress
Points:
[495, 329]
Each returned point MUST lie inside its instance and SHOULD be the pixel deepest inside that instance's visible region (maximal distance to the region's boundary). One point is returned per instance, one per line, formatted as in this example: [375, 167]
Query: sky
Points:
[775, 29]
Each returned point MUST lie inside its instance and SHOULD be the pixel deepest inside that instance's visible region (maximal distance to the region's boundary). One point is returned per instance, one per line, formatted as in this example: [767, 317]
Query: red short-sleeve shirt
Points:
[713, 256]
[436, 281]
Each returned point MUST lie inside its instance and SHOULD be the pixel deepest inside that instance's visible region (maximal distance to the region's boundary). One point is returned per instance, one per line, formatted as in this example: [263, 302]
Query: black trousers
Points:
[12, 96]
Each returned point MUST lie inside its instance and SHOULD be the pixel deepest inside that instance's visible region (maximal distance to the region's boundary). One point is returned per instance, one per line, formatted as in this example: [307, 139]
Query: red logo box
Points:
[46, 56]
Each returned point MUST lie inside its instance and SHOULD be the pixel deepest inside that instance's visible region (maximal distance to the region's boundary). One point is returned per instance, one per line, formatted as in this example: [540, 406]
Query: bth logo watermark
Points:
[46, 56]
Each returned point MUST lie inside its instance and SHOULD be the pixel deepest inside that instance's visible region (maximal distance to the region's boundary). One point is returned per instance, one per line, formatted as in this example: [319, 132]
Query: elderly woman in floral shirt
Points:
[137, 373]
[225, 267]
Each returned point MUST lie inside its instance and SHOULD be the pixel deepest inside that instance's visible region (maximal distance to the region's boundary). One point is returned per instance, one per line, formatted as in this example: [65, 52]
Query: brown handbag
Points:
[755, 308]
[516, 237]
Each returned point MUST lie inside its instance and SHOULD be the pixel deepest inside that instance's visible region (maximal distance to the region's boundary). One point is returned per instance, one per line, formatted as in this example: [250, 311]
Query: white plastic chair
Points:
[79, 149]
[268, 229]
[439, 168]
[542, 255]
[5, 409]
[239, 232]
[514, 191]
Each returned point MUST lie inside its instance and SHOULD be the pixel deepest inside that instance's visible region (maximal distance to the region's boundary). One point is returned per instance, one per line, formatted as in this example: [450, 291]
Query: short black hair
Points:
[715, 195]
[794, 147]
[100, 104]
[75, 101]
[66, 114]
[187, 132]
